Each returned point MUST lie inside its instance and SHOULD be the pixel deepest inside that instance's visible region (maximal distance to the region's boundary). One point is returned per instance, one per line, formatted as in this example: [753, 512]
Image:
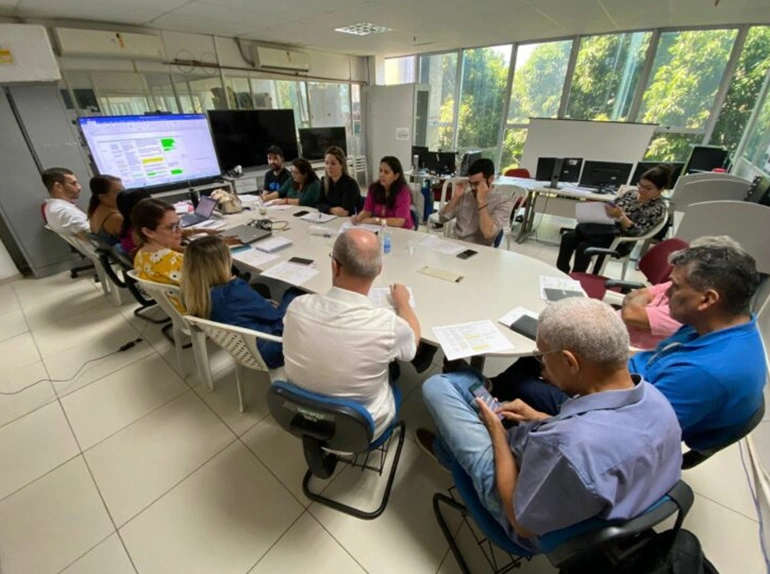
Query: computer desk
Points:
[494, 281]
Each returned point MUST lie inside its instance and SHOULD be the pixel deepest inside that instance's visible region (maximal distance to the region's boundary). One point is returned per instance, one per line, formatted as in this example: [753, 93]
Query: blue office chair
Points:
[415, 218]
[594, 542]
[330, 424]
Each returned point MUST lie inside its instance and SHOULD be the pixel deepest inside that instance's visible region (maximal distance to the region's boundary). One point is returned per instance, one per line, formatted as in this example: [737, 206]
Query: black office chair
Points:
[594, 545]
[693, 458]
[329, 424]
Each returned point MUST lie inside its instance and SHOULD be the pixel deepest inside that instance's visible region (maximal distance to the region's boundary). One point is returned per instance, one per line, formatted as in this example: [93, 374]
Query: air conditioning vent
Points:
[104, 44]
[275, 59]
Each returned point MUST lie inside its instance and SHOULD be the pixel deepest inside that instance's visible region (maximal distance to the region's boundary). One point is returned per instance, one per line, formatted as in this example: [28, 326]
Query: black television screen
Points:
[605, 174]
[643, 166]
[241, 137]
[706, 158]
[315, 141]
[570, 169]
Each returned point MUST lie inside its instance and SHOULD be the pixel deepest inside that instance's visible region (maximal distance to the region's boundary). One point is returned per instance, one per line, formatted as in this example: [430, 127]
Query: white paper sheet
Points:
[563, 284]
[442, 245]
[347, 225]
[291, 273]
[318, 217]
[273, 243]
[380, 297]
[592, 212]
[279, 207]
[468, 339]
[254, 258]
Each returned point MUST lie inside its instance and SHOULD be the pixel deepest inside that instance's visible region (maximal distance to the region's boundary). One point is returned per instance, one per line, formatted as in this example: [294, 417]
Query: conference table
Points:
[494, 281]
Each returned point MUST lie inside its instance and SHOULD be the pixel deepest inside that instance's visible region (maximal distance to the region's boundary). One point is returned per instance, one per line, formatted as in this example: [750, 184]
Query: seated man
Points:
[610, 452]
[338, 344]
[712, 370]
[480, 211]
[61, 212]
[276, 176]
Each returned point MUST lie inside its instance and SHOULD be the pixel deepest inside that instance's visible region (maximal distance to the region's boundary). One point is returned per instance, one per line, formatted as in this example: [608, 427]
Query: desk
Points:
[495, 280]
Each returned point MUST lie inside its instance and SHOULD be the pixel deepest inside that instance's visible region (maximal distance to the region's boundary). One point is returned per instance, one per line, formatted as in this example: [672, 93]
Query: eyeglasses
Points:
[538, 355]
[173, 227]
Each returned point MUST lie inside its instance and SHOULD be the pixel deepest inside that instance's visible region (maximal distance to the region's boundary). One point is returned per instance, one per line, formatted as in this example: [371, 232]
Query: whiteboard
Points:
[597, 141]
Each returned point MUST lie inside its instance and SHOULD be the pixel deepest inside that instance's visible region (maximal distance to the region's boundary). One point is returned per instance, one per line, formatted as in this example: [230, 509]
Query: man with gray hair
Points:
[712, 370]
[338, 344]
[604, 454]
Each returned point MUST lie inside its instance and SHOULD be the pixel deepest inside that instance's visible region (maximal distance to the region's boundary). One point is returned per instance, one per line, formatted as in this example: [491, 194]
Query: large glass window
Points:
[758, 145]
[207, 93]
[400, 70]
[485, 74]
[538, 80]
[744, 89]
[671, 146]
[606, 75]
[239, 93]
[440, 72]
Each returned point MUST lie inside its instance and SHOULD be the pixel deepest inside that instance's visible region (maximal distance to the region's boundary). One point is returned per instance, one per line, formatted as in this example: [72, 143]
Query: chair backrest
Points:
[239, 342]
[445, 188]
[702, 187]
[655, 265]
[165, 295]
[518, 172]
[339, 424]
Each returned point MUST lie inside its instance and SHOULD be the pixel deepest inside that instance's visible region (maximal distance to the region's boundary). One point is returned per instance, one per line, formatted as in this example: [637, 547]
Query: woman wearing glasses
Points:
[303, 188]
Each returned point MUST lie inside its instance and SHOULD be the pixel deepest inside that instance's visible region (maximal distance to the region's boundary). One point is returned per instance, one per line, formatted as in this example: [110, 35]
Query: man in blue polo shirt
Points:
[712, 370]
[610, 452]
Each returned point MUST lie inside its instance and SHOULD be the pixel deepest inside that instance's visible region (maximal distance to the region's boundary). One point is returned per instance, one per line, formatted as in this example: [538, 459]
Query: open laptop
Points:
[202, 213]
[247, 233]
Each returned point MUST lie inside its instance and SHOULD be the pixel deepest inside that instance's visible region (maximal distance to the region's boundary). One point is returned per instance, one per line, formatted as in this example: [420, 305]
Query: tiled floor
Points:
[130, 467]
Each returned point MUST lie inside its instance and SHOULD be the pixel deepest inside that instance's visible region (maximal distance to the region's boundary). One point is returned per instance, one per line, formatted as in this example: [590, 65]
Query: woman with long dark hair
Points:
[389, 199]
[303, 188]
[103, 215]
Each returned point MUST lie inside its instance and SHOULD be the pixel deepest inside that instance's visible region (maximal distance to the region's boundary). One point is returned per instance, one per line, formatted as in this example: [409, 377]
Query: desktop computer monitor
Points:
[420, 151]
[441, 163]
[315, 141]
[605, 174]
[705, 158]
[759, 191]
[569, 172]
[643, 166]
[469, 157]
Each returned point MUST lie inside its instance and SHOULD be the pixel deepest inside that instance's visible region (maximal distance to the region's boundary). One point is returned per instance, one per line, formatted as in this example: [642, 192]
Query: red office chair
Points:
[654, 265]
[518, 172]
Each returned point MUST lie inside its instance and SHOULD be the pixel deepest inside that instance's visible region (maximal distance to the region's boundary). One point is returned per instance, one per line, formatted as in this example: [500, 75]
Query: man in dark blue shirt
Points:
[277, 175]
[712, 370]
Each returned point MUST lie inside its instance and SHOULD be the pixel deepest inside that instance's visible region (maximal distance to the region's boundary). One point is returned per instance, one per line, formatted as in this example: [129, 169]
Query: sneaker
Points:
[424, 357]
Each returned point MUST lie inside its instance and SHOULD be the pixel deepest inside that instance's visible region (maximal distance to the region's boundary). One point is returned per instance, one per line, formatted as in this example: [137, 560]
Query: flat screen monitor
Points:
[469, 158]
[759, 191]
[148, 151]
[605, 174]
[441, 162]
[570, 169]
[643, 166]
[705, 158]
[315, 141]
[420, 151]
[241, 137]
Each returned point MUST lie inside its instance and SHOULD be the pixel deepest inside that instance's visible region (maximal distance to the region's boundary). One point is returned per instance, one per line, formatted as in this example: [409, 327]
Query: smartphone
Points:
[478, 390]
[301, 213]
[525, 325]
[301, 261]
[467, 254]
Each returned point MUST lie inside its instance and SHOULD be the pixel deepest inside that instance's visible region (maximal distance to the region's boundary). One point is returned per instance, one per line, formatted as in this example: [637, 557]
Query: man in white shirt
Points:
[61, 213]
[338, 344]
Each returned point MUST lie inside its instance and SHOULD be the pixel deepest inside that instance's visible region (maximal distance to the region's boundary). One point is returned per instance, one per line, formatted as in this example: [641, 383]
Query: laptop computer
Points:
[202, 213]
[247, 233]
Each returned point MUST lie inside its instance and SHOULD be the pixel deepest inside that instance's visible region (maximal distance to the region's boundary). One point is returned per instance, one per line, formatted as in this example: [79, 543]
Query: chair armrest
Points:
[613, 298]
[624, 286]
[601, 251]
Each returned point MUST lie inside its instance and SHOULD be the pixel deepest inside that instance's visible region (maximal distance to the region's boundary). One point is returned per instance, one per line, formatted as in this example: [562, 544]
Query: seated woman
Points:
[304, 187]
[103, 215]
[635, 213]
[389, 199]
[341, 195]
[126, 203]
[210, 291]
[159, 232]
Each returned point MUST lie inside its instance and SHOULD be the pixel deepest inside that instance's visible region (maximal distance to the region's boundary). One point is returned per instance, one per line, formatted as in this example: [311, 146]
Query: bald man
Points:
[338, 344]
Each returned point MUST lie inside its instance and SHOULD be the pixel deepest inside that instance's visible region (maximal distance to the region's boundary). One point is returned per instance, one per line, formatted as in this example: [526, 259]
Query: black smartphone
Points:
[478, 390]
[301, 213]
[468, 253]
[301, 261]
[525, 325]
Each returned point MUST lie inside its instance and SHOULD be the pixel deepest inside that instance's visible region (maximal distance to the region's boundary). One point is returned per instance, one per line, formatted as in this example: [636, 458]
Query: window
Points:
[538, 80]
[744, 90]
[758, 145]
[161, 92]
[357, 136]
[329, 105]
[239, 94]
[400, 70]
[440, 72]
[513, 148]
[671, 146]
[606, 75]
[485, 75]
[207, 94]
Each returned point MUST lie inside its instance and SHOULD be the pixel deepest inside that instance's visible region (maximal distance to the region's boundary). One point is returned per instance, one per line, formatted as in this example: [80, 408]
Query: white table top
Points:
[495, 280]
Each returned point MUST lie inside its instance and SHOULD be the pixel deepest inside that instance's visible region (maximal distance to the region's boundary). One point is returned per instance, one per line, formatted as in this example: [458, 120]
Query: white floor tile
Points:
[35, 292]
[34, 445]
[109, 557]
[320, 554]
[141, 462]
[407, 524]
[221, 519]
[12, 324]
[119, 399]
[64, 306]
[37, 395]
[51, 522]
[8, 300]
[18, 352]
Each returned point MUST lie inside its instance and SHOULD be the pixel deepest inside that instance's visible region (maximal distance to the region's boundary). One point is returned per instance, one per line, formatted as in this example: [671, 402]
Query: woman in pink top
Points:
[389, 199]
[645, 312]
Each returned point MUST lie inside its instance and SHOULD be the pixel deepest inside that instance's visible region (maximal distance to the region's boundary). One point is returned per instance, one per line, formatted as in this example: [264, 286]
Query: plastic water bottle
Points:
[385, 234]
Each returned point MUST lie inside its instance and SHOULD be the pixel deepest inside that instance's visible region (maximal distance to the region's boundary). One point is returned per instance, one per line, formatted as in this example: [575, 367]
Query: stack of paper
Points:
[318, 217]
[291, 273]
[254, 258]
[273, 243]
[592, 212]
[380, 297]
[442, 245]
[468, 339]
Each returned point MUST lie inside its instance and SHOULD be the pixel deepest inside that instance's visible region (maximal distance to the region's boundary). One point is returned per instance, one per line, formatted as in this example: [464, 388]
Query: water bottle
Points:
[385, 234]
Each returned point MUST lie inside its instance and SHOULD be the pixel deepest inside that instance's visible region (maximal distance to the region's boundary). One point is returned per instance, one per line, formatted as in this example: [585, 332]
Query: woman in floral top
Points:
[159, 230]
[635, 213]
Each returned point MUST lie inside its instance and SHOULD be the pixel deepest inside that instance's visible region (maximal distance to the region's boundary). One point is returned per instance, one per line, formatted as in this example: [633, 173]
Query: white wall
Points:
[7, 267]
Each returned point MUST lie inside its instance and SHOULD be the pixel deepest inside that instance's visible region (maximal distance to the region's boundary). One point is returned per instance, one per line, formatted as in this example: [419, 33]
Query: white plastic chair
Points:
[518, 195]
[241, 344]
[641, 239]
[87, 250]
[435, 220]
[359, 167]
[164, 295]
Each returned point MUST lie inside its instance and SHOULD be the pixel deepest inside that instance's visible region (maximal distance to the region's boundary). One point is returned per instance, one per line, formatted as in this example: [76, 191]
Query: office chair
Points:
[326, 424]
[593, 543]
[75, 271]
[518, 172]
[654, 265]
[693, 458]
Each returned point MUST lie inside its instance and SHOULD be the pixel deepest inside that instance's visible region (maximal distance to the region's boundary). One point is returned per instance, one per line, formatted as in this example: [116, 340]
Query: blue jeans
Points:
[463, 438]
[522, 381]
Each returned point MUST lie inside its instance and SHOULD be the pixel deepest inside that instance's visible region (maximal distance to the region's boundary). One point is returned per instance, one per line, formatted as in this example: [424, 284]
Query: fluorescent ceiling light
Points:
[363, 29]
